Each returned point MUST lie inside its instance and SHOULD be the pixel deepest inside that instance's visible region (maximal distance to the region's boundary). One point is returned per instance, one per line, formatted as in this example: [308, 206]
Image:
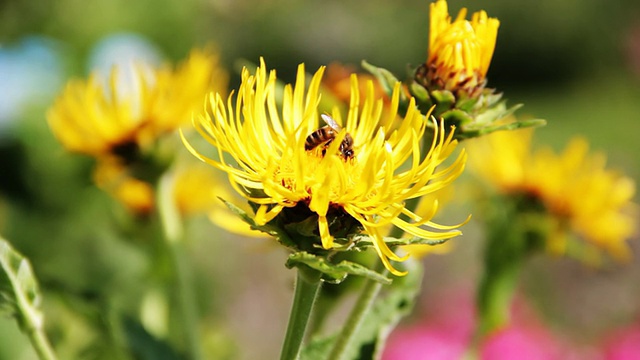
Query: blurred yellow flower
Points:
[337, 81]
[271, 168]
[122, 122]
[460, 51]
[574, 187]
[112, 119]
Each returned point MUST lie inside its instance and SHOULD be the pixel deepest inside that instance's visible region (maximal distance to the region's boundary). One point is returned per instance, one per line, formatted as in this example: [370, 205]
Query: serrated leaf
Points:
[19, 292]
[334, 272]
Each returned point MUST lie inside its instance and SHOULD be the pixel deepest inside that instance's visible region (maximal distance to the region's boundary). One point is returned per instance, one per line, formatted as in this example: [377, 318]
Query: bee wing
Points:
[329, 120]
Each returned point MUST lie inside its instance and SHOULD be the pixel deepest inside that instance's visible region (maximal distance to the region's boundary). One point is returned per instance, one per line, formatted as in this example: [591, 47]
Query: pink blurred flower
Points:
[421, 342]
[443, 334]
[522, 343]
[625, 345]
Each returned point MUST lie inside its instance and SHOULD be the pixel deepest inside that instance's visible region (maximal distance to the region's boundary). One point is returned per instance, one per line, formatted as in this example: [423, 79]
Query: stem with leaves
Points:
[19, 292]
[363, 305]
[361, 308]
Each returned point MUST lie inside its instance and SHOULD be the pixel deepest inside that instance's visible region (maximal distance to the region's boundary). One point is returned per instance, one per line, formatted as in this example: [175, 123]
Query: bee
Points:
[325, 136]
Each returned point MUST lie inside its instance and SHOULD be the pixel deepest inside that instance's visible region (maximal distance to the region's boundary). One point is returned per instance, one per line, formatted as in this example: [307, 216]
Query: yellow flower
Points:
[100, 119]
[122, 122]
[262, 149]
[574, 187]
[460, 51]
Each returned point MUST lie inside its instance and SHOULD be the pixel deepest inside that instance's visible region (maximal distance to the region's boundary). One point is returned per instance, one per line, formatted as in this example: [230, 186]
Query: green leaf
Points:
[509, 126]
[335, 273]
[19, 293]
[388, 311]
[365, 241]
[397, 301]
[319, 348]
[385, 77]
[514, 125]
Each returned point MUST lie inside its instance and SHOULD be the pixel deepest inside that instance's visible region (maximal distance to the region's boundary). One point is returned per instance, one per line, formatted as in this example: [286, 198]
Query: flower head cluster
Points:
[450, 84]
[573, 187]
[265, 152]
[460, 51]
[122, 122]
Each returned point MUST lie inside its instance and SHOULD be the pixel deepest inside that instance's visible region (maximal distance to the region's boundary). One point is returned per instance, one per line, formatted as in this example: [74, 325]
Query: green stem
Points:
[495, 297]
[307, 289]
[174, 236]
[510, 239]
[370, 291]
[41, 344]
[361, 308]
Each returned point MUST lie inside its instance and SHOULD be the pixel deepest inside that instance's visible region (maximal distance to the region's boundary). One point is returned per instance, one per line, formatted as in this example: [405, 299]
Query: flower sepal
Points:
[472, 116]
[386, 79]
[280, 235]
[333, 273]
[307, 252]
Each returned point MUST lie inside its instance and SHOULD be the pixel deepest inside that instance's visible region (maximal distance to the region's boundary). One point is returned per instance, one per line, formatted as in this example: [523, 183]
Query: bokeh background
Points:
[575, 63]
